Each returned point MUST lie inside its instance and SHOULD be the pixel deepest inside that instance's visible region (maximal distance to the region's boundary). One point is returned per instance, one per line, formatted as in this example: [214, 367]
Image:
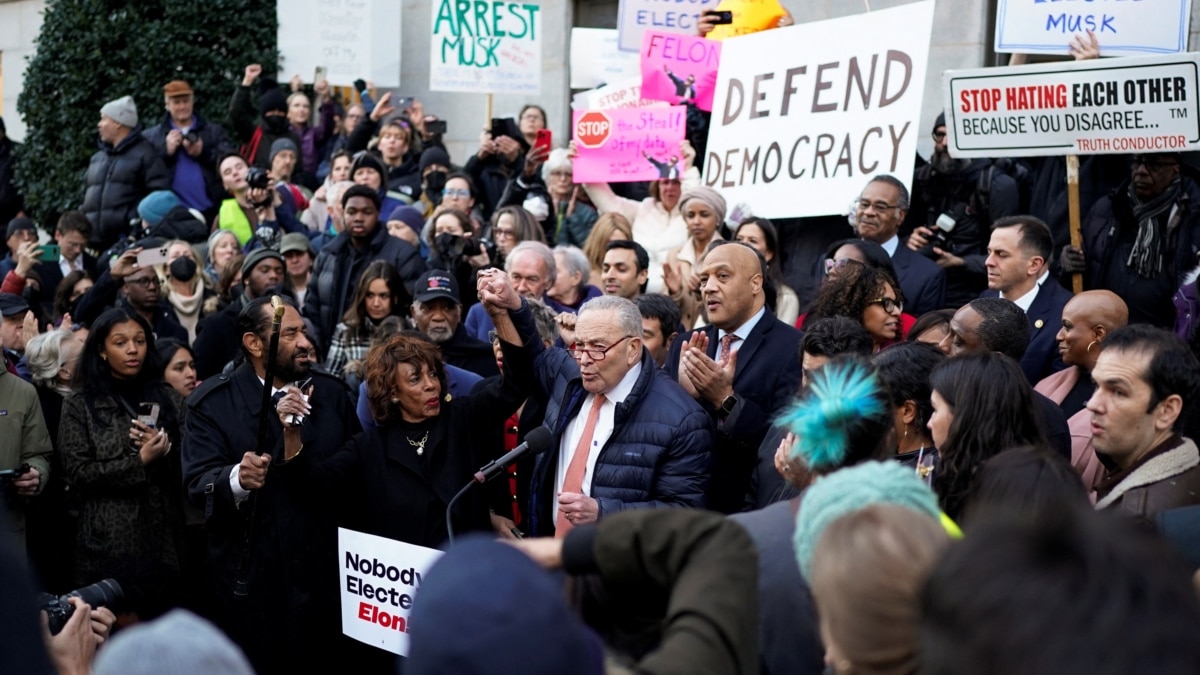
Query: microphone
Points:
[536, 442]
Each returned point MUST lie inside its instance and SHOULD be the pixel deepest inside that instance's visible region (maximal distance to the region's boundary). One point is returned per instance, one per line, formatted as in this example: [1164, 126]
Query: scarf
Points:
[1146, 256]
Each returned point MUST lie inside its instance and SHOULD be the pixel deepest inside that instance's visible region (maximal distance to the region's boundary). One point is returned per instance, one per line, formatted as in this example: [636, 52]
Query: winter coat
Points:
[11, 201]
[216, 145]
[117, 179]
[245, 119]
[1168, 477]
[337, 269]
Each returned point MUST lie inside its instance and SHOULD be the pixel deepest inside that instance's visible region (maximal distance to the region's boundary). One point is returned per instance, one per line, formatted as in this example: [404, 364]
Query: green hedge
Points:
[90, 52]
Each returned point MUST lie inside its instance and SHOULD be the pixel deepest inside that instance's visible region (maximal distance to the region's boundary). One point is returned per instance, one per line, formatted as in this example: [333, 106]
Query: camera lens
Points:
[103, 593]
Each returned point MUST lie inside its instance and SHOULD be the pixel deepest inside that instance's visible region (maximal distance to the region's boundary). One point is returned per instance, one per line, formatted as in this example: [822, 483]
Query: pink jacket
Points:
[1083, 454]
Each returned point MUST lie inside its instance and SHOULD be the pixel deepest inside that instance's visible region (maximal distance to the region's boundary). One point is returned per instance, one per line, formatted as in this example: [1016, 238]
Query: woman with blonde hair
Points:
[608, 227]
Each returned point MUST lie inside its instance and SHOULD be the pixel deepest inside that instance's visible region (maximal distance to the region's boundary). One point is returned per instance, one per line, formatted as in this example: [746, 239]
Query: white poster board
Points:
[486, 47]
[351, 39]
[379, 578]
[1105, 106]
[804, 115]
[596, 60]
[635, 17]
[1124, 28]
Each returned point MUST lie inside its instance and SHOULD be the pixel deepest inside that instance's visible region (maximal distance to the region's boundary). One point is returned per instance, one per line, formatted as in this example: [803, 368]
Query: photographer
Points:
[453, 246]
[257, 211]
[190, 145]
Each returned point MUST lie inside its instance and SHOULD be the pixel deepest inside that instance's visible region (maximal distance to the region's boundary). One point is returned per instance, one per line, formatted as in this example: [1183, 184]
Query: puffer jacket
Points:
[658, 455]
[117, 179]
[336, 272]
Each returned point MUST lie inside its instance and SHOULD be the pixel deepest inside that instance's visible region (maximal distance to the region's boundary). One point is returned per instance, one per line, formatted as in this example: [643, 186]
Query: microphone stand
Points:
[241, 585]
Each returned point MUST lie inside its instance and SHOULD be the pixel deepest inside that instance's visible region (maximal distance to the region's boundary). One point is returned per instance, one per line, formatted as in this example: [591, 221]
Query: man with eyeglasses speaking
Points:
[1141, 241]
[626, 436]
[880, 209]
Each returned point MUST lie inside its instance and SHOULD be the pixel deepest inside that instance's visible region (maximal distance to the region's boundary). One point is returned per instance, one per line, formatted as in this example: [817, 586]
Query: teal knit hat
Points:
[851, 489]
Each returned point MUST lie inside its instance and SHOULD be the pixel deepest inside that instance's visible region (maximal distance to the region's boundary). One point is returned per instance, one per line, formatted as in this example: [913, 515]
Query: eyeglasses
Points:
[889, 305]
[939, 135]
[561, 174]
[456, 192]
[577, 352]
[492, 337]
[831, 264]
[863, 205]
[1150, 164]
[145, 282]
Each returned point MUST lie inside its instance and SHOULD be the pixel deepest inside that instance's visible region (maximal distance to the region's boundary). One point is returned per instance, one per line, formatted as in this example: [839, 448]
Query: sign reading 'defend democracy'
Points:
[803, 114]
[675, 16]
[486, 47]
[1107, 106]
[623, 146]
[679, 68]
[379, 578]
[1123, 27]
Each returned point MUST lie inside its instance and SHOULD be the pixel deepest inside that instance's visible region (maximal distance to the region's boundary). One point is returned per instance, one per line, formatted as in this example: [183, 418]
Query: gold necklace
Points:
[419, 445]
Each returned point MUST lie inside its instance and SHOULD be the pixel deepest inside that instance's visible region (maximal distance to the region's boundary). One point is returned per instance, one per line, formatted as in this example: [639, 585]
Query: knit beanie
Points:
[851, 489]
[272, 99]
[281, 144]
[488, 608]
[123, 111]
[434, 155]
[409, 215]
[939, 122]
[178, 642]
[369, 160]
[257, 256]
[155, 206]
[707, 196]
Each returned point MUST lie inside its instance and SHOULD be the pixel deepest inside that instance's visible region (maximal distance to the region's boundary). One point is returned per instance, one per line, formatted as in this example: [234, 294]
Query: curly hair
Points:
[850, 293]
[382, 362]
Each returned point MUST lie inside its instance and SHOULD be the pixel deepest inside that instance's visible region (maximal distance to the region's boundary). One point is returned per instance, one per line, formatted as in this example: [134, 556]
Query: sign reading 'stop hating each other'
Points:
[492, 46]
[803, 115]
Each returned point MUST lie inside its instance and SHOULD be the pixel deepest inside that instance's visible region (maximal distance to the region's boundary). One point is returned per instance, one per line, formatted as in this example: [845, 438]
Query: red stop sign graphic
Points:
[593, 129]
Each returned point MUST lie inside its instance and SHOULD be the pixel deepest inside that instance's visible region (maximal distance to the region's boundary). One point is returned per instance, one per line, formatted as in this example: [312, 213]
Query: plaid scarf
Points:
[1146, 256]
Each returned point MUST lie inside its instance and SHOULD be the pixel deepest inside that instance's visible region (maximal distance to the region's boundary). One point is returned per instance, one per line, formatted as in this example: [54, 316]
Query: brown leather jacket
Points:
[1167, 477]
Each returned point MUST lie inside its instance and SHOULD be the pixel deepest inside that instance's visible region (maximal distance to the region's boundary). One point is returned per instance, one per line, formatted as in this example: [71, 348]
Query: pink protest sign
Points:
[628, 145]
[678, 68]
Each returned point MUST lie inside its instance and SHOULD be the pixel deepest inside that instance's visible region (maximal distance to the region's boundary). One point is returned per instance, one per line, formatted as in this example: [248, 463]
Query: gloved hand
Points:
[1072, 260]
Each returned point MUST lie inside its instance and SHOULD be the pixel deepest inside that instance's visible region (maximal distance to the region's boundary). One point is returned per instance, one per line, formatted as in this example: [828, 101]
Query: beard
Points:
[294, 365]
[439, 333]
[945, 164]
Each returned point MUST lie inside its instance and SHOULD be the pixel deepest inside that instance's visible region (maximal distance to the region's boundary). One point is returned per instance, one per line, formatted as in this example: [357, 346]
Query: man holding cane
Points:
[262, 531]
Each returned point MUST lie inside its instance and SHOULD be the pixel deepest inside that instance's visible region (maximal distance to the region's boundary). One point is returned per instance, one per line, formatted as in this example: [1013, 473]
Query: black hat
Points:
[434, 155]
[272, 99]
[12, 305]
[19, 223]
[939, 122]
[257, 256]
[436, 284]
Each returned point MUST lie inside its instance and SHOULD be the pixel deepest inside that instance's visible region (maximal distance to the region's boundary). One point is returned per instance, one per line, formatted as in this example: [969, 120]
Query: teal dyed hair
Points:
[843, 394]
[850, 489]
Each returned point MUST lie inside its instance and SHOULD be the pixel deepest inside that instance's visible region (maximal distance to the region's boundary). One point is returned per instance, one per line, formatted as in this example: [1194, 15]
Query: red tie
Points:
[573, 481]
[726, 346]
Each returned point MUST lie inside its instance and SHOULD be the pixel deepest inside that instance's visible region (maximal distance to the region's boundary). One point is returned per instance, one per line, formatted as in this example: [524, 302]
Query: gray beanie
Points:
[122, 110]
[179, 642]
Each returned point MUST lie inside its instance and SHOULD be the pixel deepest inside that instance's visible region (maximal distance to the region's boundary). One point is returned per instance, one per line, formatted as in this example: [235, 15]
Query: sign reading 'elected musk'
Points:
[1107, 106]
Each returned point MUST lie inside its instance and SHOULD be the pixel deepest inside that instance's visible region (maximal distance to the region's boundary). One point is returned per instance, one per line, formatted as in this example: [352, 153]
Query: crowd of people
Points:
[308, 315]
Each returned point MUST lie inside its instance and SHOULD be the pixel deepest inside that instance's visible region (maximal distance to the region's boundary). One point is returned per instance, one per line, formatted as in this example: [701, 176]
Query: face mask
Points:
[435, 181]
[183, 268]
[276, 124]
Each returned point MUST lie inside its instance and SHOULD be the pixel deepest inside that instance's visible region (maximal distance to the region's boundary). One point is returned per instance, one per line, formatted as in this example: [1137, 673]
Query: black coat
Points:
[257, 140]
[117, 179]
[216, 145]
[11, 201]
[1045, 318]
[464, 351]
[216, 340]
[336, 272]
[288, 621]
[103, 295]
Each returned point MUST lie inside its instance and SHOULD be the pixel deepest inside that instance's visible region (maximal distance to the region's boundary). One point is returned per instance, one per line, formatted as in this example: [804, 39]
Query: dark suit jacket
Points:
[767, 377]
[51, 275]
[921, 280]
[1045, 318]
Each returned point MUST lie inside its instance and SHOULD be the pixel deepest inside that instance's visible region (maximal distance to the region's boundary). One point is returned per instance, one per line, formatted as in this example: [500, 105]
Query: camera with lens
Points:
[944, 225]
[453, 248]
[191, 137]
[257, 177]
[103, 593]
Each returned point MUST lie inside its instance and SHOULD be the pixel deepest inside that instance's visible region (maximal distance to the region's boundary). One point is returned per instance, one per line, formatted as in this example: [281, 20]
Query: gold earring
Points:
[1091, 344]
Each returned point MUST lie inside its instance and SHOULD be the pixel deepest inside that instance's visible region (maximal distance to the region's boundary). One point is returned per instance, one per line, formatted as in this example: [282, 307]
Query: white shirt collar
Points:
[67, 266]
[743, 331]
[890, 246]
[1026, 300]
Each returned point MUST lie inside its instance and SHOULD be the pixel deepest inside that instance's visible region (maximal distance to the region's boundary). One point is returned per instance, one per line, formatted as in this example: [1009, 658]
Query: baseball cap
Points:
[177, 88]
[12, 305]
[295, 241]
[436, 284]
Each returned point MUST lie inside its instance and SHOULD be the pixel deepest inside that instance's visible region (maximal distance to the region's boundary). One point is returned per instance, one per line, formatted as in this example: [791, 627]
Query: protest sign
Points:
[351, 39]
[379, 578]
[749, 16]
[679, 68]
[623, 146]
[1130, 105]
[596, 60]
[676, 16]
[1122, 28]
[804, 115]
[486, 47]
[626, 94]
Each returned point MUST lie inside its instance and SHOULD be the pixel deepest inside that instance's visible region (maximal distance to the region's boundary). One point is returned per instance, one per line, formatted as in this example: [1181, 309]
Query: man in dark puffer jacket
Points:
[125, 169]
[650, 443]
